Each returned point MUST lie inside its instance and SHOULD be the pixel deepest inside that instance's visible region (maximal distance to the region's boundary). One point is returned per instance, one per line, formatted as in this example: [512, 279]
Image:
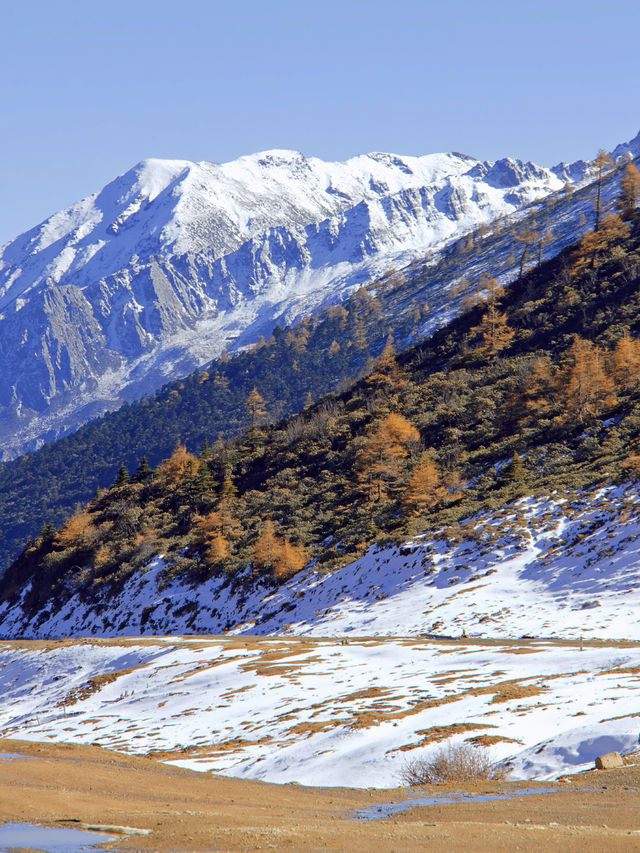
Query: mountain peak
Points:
[174, 260]
[632, 147]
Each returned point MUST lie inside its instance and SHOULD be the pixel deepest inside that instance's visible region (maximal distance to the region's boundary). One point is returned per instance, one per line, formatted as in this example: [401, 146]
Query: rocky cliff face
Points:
[174, 261]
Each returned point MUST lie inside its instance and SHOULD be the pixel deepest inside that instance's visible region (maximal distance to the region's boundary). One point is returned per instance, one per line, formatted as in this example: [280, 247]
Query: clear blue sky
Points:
[88, 89]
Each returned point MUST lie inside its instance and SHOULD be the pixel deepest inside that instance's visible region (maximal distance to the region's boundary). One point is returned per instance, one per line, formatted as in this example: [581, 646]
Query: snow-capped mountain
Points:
[174, 261]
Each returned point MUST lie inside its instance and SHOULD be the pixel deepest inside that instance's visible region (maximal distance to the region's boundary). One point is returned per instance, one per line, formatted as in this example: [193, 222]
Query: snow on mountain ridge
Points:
[625, 148]
[180, 203]
[174, 260]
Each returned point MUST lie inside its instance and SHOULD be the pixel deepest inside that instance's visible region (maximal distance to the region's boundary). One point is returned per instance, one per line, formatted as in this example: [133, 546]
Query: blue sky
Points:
[89, 89]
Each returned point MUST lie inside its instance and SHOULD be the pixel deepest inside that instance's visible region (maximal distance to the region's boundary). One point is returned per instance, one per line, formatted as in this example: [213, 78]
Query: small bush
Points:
[460, 762]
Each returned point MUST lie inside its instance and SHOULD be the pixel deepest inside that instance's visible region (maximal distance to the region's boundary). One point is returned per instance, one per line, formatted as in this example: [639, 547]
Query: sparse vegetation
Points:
[461, 762]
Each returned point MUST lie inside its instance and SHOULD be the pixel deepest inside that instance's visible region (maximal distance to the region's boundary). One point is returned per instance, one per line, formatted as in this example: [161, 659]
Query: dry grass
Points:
[92, 686]
[460, 762]
[439, 733]
[490, 740]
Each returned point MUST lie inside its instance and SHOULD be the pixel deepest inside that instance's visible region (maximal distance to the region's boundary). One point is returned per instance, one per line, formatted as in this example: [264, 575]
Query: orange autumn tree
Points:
[629, 196]
[386, 366]
[453, 485]
[543, 240]
[527, 238]
[177, 464]
[218, 529]
[380, 456]
[493, 330]
[76, 530]
[603, 165]
[539, 385]
[282, 555]
[533, 396]
[626, 362]
[255, 408]
[217, 547]
[583, 383]
[266, 549]
[595, 246]
[292, 558]
[424, 487]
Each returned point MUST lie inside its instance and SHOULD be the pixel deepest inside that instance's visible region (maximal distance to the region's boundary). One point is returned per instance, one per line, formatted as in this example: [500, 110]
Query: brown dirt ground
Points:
[189, 811]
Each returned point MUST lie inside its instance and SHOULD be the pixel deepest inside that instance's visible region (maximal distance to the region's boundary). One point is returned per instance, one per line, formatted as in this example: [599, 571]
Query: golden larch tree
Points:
[217, 548]
[584, 384]
[527, 238]
[626, 362]
[255, 408]
[382, 452]
[102, 556]
[76, 530]
[386, 367]
[494, 331]
[175, 467]
[603, 164]
[267, 547]
[217, 529]
[490, 291]
[538, 387]
[543, 240]
[595, 246]
[453, 485]
[424, 488]
[629, 196]
[291, 559]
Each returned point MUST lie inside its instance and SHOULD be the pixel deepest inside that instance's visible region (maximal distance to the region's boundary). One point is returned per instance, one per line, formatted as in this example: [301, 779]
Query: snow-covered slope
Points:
[541, 567]
[174, 260]
[354, 673]
[322, 712]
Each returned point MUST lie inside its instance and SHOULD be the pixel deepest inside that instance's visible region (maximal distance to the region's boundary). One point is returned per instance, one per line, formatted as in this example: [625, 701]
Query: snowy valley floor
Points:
[339, 679]
[325, 711]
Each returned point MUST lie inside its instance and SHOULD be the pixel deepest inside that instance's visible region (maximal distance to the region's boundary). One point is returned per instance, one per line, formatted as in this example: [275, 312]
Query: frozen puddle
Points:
[10, 756]
[381, 810]
[50, 839]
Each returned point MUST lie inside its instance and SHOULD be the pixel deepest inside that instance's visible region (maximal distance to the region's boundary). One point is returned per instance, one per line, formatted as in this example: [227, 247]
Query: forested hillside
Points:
[531, 389]
[293, 366]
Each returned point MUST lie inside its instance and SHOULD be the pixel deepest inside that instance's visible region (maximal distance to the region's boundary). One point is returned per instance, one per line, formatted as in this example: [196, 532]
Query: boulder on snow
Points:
[609, 760]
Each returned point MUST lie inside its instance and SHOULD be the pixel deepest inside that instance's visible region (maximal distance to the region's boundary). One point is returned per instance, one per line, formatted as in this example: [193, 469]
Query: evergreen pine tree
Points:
[47, 531]
[122, 477]
[144, 472]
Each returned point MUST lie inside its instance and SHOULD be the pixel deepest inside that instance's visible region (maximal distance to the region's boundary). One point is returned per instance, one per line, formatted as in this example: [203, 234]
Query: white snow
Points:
[180, 207]
[354, 673]
[226, 250]
[544, 567]
[321, 712]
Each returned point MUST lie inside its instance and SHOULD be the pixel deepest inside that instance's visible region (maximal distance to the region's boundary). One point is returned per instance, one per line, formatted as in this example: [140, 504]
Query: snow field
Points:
[322, 711]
